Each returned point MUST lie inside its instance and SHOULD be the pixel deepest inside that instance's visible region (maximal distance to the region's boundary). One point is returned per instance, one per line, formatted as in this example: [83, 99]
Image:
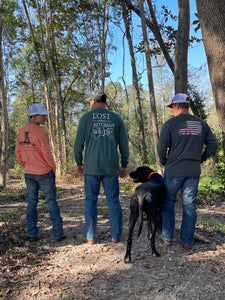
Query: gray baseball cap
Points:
[97, 95]
[179, 98]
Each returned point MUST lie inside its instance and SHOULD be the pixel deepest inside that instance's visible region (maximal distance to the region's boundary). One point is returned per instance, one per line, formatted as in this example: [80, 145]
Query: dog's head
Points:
[141, 174]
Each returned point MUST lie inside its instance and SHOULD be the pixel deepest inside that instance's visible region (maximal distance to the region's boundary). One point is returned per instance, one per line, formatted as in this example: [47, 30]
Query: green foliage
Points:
[205, 223]
[103, 211]
[210, 189]
[128, 187]
[76, 27]
[197, 102]
[220, 168]
[6, 216]
[16, 170]
[18, 197]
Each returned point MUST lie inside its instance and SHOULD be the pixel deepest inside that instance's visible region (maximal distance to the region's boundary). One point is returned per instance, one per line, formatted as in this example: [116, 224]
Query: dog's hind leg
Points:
[141, 220]
[133, 218]
[151, 236]
[127, 258]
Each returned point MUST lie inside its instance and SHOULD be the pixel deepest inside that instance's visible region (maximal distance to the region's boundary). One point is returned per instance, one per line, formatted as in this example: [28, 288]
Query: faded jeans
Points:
[189, 190]
[92, 185]
[47, 185]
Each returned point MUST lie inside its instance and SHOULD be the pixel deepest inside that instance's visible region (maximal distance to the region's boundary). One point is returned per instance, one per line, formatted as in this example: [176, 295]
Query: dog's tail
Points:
[141, 219]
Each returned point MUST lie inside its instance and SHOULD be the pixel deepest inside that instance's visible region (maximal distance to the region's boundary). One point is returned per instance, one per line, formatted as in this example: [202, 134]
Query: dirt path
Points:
[72, 270]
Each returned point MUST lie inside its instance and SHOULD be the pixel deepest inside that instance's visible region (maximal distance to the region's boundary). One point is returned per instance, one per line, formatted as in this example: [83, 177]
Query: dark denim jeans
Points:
[47, 185]
[189, 190]
[111, 188]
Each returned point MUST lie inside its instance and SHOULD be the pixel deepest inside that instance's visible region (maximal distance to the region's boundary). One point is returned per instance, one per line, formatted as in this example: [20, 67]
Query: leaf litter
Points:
[73, 270]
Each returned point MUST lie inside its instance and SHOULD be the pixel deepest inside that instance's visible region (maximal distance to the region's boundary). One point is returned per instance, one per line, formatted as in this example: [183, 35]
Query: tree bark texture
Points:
[212, 22]
[156, 31]
[135, 87]
[44, 77]
[50, 42]
[4, 117]
[103, 25]
[150, 83]
[181, 49]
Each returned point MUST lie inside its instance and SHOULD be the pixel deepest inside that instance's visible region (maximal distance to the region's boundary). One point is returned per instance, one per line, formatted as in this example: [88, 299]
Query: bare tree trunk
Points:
[153, 26]
[44, 76]
[91, 58]
[50, 41]
[212, 22]
[102, 31]
[135, 86]
[181, 49]
[150, 84]
[181, 55]
[4, 119]
[61, 120]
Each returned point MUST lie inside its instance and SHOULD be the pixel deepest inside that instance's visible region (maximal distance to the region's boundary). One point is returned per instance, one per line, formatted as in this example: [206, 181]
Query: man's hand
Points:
[80, 170]
[122, 172]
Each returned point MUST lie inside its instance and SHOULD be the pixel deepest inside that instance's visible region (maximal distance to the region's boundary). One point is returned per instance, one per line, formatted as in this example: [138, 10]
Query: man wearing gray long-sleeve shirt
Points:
[180, 150]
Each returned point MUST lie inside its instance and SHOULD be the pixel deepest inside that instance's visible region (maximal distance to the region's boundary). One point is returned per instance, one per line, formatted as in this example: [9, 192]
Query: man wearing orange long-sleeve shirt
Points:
[34, 155]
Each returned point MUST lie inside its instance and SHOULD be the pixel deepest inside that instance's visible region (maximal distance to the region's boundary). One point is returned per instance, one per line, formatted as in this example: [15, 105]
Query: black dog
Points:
[148, 198]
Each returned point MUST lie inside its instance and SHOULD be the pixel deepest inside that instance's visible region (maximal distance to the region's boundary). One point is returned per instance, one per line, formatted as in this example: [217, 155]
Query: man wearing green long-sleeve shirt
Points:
[102, 132]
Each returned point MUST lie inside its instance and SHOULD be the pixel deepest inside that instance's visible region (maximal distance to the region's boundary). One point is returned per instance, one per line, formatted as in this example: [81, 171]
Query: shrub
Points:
[220, 168]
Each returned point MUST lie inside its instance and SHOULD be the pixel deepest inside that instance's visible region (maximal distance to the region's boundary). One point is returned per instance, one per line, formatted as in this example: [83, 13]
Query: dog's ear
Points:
[151, 170]
[145, 172]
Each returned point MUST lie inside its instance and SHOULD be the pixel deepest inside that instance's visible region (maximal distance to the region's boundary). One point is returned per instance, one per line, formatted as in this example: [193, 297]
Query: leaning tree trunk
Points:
[150, 84]
[155, 28]
[181, 49]
[212, 22]
[135, 87]
[4, 120]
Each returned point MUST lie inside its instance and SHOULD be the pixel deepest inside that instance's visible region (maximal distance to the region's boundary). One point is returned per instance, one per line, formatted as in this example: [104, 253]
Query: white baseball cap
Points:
[179, 98]
[37, 109]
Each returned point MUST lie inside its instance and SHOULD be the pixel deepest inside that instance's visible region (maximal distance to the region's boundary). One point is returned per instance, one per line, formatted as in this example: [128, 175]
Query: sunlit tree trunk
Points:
[44, 77]
[103, 25]
[150, 84]
[135, 87]
[49, 51]
[180, 74]
[91, 59]
[50, 42]
[212, 22]
[4, 117]
[153, 26]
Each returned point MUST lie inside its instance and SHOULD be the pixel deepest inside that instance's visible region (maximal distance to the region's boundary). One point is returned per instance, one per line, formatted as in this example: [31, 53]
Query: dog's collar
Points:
[151, 174]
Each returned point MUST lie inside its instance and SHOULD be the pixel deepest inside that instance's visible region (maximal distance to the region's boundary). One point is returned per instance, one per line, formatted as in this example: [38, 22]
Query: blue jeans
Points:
[189, 190]
[92, 185]
[47, 184]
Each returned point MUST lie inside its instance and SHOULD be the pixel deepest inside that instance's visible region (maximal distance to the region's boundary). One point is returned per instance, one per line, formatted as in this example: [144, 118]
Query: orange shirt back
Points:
[33, 150]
